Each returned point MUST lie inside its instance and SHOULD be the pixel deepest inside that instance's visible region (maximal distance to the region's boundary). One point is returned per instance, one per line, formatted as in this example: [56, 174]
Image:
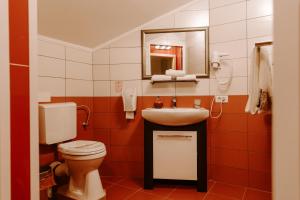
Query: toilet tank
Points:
[57, 122]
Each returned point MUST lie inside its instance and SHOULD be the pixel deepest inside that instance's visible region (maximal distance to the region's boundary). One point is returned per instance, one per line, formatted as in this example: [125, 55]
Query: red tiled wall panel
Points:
[19, 88]
[239, 144]
[20, 133]
[19, 32]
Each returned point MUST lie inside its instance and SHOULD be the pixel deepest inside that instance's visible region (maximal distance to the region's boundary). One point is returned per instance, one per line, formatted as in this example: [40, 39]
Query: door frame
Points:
[33, 74]
[4, 103]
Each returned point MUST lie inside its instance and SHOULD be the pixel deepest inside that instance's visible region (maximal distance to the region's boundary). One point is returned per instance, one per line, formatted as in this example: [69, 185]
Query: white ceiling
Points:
[93, 22]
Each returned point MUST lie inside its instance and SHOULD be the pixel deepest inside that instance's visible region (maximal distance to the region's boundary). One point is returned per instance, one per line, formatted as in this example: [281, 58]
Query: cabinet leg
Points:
[202, 159]
[202, 186]
[148, 183]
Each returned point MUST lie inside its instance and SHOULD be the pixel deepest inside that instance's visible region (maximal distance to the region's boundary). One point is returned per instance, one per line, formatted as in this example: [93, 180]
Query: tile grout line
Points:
[132, 194]
[244, 195]
[227, 5]
[205, 196]
[167, 197]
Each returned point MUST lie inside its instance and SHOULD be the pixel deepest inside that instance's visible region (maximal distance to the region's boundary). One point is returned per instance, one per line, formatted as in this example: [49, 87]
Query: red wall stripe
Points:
[19, 88]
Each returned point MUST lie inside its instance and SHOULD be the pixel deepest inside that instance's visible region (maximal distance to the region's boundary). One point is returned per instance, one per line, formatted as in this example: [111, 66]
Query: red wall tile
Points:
[19, 32]
[229, 122]
[230, 140]
[20, 133]
[101, 104]
[230, 175]
[258, 180]
[231, 158]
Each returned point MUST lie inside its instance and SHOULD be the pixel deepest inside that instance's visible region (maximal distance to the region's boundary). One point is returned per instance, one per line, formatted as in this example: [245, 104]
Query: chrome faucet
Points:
[174, 101]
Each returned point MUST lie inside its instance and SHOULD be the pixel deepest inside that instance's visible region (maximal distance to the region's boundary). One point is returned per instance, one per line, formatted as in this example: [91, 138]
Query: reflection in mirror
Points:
[178, 49]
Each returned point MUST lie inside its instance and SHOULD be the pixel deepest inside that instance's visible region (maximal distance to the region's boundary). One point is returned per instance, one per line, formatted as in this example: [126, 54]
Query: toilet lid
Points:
[82, 147]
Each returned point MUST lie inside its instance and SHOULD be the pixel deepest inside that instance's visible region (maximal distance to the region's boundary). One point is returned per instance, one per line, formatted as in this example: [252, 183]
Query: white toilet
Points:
[82, 158]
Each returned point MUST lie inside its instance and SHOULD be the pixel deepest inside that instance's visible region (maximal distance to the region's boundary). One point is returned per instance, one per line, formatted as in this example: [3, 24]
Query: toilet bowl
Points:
[83, 158]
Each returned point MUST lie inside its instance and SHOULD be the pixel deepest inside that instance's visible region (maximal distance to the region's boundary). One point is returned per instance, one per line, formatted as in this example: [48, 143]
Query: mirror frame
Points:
[176, 30]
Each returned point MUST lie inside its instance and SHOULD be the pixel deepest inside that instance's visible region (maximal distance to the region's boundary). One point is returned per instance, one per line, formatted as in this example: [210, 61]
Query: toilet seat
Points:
[82, 148]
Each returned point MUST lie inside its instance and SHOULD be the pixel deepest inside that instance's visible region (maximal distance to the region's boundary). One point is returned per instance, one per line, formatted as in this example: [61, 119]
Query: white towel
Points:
[161, 78]
[175, 73]
[260, 79]
[265, 71]
[189, 77]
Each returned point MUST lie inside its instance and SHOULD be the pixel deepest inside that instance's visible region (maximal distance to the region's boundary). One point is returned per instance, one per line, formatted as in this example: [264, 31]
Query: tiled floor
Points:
[132, 189]
[118, 188]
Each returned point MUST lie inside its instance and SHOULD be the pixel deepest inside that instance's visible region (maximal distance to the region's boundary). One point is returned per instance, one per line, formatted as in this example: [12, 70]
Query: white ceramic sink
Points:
[175, 116]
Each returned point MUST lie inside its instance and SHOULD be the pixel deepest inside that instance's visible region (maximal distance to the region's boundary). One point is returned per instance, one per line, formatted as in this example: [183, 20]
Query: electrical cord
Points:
[211, 108]
[222, 86]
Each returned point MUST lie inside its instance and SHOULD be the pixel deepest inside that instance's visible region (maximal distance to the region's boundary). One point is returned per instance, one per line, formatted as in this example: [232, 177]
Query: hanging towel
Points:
[265, 80]
[260, 82]
[253, 98]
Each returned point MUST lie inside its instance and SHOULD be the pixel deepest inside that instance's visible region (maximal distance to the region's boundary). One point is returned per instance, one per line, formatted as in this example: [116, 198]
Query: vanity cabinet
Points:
[175, 154]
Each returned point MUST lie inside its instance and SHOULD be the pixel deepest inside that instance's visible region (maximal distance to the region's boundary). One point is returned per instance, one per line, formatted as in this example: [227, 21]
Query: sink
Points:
[175, 116]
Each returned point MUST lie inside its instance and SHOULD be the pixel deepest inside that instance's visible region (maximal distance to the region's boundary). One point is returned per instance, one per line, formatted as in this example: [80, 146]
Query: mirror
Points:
[179, 49]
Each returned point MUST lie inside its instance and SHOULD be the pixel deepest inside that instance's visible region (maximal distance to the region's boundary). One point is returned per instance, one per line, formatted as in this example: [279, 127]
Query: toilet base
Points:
[64, 192]
[91, 190]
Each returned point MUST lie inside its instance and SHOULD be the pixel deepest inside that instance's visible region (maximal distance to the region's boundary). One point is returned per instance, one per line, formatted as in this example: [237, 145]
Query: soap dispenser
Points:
[158, 103]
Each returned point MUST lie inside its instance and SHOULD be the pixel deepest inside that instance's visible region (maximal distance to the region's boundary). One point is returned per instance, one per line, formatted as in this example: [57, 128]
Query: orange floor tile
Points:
[118, 188]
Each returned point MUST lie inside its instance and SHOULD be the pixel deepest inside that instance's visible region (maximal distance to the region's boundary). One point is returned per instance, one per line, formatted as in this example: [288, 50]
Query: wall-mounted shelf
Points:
[170, 81]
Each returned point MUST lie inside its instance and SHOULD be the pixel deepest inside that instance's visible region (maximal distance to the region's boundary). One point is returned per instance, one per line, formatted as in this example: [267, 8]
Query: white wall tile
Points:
[259, 27]
[192, 19]
[117, 86]
[162, 22]
[159, 89]
[54, 86]
[75, 70]
[125, 72]
[51, 67]
[81, 88]
[238, 86]
[101, 72]
[131, 40]
[235, 49]
[192, 89]
[220, 3]
[234, 67]
[259, 8]
[228, 32]
[227, 14]
[199, 5]
[125, 55]
[101, 57]
[79, 55]
[101, 88]
[51, 49]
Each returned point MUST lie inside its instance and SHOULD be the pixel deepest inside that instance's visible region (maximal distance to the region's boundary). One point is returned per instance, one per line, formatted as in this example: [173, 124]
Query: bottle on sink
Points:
[158, 103]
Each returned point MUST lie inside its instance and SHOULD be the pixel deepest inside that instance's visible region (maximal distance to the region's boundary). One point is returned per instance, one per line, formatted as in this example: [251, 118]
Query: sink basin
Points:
[175, 116]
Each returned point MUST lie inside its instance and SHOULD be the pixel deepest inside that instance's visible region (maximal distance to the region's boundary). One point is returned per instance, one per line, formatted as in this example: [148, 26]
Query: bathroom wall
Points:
[239, 144]
[239, 147]
[118, 64]
[65, 74]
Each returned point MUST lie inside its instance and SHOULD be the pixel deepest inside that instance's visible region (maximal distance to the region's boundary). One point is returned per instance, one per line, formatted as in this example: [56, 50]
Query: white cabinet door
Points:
[175, 155]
